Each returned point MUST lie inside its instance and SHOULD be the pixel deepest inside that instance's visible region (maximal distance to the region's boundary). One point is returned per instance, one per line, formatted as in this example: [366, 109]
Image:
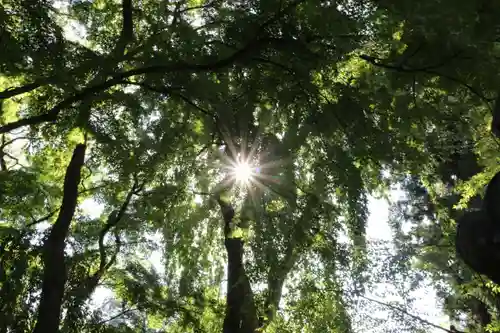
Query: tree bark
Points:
[54, 273]
[495, 122]
[241, 316]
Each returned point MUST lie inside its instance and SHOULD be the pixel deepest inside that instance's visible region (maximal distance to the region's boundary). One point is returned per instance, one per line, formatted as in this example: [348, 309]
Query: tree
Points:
[169, 98]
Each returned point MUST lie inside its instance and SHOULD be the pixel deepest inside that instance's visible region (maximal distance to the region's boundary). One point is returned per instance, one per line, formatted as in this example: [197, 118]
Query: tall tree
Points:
[325, 102]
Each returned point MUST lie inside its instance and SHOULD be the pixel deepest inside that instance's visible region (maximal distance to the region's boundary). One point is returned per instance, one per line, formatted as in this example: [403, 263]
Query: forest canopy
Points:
[241, 143]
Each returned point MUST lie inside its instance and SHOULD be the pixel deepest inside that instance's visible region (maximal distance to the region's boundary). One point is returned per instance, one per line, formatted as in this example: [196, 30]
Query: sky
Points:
[378, 228]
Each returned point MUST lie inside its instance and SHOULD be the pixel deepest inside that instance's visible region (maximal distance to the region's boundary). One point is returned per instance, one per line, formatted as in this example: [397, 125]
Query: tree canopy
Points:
[207, 165]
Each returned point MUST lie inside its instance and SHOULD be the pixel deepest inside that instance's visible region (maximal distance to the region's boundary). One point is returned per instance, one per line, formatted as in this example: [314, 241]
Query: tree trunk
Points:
[54, 274]
[241, 316]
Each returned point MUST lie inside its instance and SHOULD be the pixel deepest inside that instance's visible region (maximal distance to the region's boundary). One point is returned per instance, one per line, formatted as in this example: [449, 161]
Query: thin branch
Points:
[91, 281]
[196, 106]
[258, 59]
[280, 13]
[45, 218]
[428, 70]
[160, 90]
[426, 322]
[202, 193]
[212, 23]
[401, 66]
[124, 312]
[90, 189]
[118, 245]
[112, 221]
[6, 143]
[413, 53]
[3, 165]
[274, 63]
[15, 159]
[208, 5]
[11, 92]
[170, 91]
[414, 90]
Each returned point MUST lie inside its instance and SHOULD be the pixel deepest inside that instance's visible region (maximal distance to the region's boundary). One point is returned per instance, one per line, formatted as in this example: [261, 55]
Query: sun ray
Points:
[264, 187]
[243, 172]
[269, 178]
[273, 164]
[246, 166]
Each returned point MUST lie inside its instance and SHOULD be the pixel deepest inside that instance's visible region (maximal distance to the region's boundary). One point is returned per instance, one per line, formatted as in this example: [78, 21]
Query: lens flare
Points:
[243, 172]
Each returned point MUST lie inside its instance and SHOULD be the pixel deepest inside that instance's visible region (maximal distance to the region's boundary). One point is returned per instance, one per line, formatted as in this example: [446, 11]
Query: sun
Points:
[243, 172]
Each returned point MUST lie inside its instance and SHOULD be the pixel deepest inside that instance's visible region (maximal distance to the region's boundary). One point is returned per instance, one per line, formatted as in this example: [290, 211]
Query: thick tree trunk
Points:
[241, 316]
[54, 274]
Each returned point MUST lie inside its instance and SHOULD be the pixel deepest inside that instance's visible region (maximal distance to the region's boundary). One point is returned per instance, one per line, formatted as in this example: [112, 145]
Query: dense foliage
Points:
[123, 126]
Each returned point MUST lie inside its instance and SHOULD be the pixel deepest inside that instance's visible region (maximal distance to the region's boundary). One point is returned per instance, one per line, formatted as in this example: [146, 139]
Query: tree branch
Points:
[208, 5]
[426, 322]
[112, 221]
[126, 35]
[159, 90]
[124, 312]
[127, 32]
[3, 165]
[428, 70]
[14, 91]
[6, 143]
[255, 45]
[40, 220]
[170, 91]
[83, 291]
[196, 106]
[11, 92]
[53, 114]
[49, 116]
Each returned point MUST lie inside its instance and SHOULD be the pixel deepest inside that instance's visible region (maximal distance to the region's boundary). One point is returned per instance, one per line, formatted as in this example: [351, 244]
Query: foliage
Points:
[332, 102]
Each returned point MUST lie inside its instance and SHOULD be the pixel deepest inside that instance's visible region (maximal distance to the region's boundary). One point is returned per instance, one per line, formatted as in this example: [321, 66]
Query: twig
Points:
[113, 219]
[428, 70]
[208, 5]
[426, 322]
[6, 143]
[117, 316]
[45, 218]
